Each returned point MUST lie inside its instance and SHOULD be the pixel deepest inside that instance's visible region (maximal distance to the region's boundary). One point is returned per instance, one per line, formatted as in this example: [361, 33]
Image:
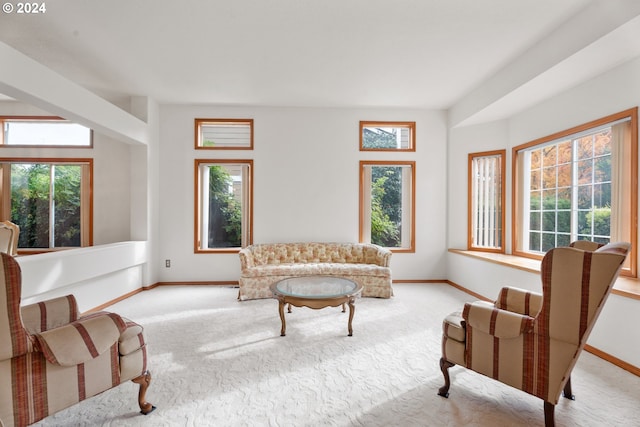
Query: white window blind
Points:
[486, 209]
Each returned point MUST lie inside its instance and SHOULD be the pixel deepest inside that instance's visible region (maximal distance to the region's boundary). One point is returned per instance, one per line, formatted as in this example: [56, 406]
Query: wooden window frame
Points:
[501, 155]
[197, 247]
[632, 116]
[200, 122]
[407, 125]
[4, 119]
[86, 206]
[412, 195]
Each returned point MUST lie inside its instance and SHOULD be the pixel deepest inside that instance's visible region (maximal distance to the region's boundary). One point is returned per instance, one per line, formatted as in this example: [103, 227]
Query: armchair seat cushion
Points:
[486, 318]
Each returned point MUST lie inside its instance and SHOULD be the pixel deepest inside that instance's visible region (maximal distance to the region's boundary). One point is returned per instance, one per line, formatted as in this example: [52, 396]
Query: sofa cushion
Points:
[287, 253]
[320, 269]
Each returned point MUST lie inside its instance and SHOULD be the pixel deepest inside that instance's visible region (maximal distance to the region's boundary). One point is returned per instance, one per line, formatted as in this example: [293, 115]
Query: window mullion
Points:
[52, 215]
[204, 206]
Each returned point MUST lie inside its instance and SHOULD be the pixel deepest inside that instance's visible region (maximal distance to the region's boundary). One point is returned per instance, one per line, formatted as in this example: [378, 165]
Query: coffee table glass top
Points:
[316, 287]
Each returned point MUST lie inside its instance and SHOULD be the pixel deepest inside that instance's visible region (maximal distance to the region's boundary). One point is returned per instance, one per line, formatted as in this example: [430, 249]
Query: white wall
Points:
[94, 275]
[612, 92]
[306, 184]
[462, 141]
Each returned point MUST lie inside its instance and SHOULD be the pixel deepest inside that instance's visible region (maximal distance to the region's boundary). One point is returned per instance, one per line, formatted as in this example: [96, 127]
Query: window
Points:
[387, 204]
[224, 203]
[49, 199]
[579, 184]
[387, 136]
[486, 201]
[43, 132]
[224, 134]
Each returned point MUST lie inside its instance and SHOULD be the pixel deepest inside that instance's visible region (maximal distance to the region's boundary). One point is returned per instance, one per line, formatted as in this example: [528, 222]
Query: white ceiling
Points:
[329, 53]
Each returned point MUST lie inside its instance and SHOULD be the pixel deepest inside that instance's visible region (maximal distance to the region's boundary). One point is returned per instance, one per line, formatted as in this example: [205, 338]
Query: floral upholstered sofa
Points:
[265, 264]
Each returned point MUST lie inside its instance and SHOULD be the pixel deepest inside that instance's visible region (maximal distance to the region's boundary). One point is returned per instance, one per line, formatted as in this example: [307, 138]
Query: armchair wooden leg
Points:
[444, 367]
[144, 380]
[549, 410]
[567, 390]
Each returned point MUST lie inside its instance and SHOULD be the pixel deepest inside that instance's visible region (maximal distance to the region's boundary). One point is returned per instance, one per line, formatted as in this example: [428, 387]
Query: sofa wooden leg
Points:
[549, 410]
[144, 380]
[444, 367]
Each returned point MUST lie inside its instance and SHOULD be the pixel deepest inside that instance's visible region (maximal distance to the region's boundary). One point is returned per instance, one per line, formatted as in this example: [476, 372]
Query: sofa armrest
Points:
[82, 340]
[519, 301]
[383, 257]
[246, 259]
[485, 317]
[49, 314]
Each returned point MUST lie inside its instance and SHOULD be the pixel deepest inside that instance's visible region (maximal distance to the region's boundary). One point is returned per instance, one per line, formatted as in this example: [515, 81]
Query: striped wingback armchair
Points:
[50, 358]
[532, 341]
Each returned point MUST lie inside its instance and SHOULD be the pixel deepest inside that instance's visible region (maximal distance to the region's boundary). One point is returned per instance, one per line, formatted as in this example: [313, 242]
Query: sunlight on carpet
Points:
[219, 362]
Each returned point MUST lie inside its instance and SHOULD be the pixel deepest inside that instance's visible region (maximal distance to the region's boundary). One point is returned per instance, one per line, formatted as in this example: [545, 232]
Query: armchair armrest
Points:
[82, 340]
[50, 314]
[519, 301]
[485, 317]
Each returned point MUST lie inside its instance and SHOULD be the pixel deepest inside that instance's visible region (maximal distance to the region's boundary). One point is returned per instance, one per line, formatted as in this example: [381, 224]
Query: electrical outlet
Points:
[167, 263]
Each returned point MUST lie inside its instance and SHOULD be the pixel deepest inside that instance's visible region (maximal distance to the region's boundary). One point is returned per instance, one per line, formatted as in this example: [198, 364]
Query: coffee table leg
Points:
[284, 324]
[352, 310]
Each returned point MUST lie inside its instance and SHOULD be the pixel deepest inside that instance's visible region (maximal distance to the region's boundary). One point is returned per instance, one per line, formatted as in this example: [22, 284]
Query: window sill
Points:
[624, 286]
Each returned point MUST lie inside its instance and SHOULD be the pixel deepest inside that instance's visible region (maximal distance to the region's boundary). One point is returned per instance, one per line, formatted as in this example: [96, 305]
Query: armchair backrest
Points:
[586, 245]
[9, 234]
[14, 338]
[575, 284]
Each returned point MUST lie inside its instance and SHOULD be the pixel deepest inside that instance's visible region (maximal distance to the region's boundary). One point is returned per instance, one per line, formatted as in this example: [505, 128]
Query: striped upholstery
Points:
[532, 341]
[51, 358]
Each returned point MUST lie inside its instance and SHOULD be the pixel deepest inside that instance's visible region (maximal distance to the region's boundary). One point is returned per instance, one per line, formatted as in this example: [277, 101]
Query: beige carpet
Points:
[220, 362]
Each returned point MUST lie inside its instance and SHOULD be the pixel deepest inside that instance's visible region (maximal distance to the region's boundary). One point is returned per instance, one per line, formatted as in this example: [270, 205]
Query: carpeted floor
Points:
[220, 362]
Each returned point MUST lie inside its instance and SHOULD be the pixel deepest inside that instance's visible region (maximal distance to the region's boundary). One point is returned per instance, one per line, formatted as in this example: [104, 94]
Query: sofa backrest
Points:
[314, 252]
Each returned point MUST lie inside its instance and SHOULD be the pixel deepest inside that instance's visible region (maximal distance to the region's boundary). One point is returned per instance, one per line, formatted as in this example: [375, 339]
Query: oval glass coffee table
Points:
[316, 292]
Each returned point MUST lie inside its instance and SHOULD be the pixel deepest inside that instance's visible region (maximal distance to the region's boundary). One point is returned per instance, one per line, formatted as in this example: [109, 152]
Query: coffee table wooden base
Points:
[316, 304]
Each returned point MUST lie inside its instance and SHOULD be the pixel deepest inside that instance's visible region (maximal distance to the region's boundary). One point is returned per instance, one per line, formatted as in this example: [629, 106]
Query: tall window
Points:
[49, 199]
[579, 184]
[387, 136]
[387, 204]
[486, 201]
[224, 134]
[223, 196]
[43, 132]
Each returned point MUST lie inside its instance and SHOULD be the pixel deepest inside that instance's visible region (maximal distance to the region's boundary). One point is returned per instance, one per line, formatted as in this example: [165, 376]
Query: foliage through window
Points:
[50, 200]
[387, 204]
[387, 136]
[224, 134]
[486, 201]
[223, 204]
[578, 185]
[44, 132]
